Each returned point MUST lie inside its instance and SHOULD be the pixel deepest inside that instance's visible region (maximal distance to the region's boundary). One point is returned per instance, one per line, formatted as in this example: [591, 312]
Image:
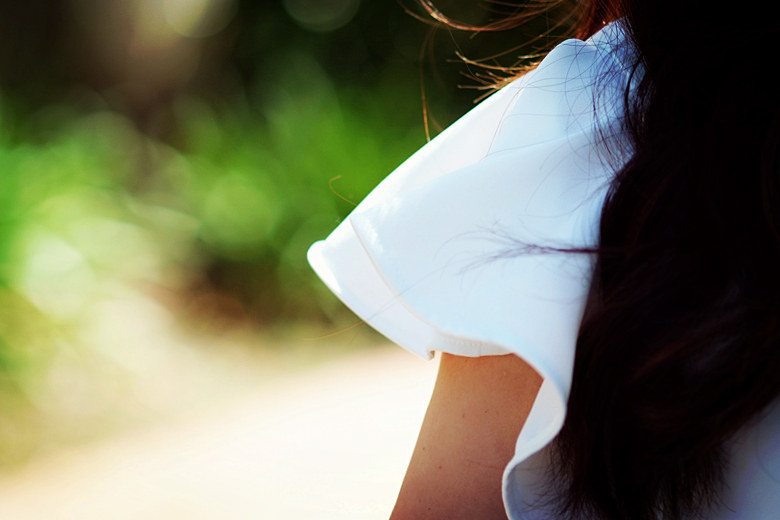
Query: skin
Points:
[468, 435]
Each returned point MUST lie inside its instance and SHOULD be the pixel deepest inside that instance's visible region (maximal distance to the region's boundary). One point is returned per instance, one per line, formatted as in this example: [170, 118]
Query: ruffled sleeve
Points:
[443, 253]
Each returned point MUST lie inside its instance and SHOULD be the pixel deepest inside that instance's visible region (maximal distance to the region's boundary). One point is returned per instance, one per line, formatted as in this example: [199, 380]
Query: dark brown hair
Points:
[679, 346]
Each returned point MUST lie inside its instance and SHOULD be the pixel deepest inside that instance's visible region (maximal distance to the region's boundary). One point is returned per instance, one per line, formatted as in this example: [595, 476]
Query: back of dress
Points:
[444, 253]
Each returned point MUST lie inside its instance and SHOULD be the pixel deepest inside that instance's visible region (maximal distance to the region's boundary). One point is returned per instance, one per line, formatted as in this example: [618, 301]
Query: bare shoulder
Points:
[468, 435]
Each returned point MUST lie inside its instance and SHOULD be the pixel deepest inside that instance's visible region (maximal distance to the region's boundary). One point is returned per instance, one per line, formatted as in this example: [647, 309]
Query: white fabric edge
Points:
[548, 412]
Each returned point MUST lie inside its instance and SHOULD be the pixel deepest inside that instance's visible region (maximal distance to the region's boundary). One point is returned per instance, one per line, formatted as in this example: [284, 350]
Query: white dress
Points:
[427, 257]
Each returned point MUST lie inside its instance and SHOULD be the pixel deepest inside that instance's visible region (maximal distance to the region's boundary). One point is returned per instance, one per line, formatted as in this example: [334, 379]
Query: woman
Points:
[594, 249]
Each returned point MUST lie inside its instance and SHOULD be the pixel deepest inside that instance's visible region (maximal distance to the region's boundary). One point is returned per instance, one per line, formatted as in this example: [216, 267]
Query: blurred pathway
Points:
[332, 442]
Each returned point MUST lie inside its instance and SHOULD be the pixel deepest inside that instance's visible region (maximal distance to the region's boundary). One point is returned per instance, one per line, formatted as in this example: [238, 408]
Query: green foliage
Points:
[72, 232]
[264, 184]
[87, 201]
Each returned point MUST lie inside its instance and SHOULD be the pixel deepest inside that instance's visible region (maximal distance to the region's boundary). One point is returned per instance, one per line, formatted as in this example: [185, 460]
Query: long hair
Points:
[679, 345]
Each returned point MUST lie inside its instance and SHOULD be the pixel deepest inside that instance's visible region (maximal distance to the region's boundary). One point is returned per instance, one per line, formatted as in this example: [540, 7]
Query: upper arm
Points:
[468, 435]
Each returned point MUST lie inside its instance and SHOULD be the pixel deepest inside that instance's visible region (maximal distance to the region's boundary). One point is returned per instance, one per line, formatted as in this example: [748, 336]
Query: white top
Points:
[427, 257]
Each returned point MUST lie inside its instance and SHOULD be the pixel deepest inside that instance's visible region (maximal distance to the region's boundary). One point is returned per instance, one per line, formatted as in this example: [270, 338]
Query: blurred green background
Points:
[182, 155]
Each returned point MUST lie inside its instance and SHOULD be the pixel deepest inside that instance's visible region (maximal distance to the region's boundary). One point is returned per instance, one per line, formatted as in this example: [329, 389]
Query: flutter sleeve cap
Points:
[444, 254]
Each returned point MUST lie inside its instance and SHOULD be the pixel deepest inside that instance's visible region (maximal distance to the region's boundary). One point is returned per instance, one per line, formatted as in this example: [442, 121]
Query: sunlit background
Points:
[165, 349]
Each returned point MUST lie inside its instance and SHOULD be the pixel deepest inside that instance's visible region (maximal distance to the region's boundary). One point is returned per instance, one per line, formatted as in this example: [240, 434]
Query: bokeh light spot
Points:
[321, 15]
[238, 215]
[198, 18]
